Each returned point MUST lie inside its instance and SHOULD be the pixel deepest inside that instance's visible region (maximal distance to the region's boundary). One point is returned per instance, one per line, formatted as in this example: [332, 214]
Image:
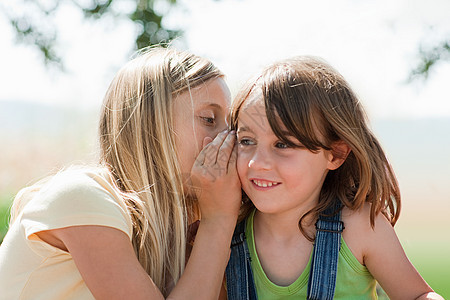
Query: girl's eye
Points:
[210, 121]
[281, 145]
[246, 142]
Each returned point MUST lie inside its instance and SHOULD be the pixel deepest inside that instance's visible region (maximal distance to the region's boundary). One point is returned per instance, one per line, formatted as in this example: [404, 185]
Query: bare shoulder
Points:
[359, 235]
[379, 249]
[361, 218]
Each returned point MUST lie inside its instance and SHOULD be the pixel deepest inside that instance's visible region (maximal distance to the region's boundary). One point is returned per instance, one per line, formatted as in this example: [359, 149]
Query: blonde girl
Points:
[315, 179]
[119, 230]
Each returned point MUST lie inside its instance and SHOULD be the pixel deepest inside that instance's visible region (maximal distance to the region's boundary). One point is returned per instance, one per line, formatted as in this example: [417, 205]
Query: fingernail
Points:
[232, 132]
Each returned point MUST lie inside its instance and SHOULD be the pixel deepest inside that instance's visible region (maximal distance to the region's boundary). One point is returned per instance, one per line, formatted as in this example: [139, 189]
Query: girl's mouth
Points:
[260, 183]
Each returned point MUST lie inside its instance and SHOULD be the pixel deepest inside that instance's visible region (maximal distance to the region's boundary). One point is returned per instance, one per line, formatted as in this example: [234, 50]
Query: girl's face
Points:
[276, 177]
[199, 114]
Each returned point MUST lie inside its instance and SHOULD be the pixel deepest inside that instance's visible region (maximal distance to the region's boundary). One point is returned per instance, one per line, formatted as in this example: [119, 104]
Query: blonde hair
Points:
[138, 146]
[139, 153]
[318, 108]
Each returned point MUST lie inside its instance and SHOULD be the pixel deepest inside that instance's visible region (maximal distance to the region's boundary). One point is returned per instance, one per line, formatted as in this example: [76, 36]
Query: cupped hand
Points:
[215, 180]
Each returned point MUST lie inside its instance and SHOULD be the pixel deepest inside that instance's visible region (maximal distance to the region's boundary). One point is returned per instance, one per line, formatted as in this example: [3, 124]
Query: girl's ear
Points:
[338, 154]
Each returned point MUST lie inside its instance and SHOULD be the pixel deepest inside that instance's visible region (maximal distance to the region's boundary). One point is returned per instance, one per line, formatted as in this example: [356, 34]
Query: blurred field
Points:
[419, 152]
[38, 140]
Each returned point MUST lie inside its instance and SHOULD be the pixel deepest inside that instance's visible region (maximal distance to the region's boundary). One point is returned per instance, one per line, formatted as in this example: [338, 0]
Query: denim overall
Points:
[322, 276]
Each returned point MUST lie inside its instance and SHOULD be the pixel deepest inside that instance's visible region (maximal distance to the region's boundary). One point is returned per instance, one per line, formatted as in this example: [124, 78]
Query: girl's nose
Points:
[260, 160]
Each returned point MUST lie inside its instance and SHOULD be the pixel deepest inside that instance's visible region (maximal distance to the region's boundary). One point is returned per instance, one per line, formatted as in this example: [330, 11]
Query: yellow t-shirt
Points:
[32, 269]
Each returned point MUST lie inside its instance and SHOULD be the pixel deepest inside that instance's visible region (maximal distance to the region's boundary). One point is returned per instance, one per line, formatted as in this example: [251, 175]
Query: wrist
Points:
[219, 222]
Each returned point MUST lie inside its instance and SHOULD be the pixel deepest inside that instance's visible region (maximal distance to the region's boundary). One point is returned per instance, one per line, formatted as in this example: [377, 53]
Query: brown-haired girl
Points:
[119, 230]
[321, 198]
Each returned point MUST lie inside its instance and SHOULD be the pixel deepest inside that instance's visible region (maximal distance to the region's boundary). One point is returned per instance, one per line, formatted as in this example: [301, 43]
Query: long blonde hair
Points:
[309, 96]
[138, 147]
[139, 154]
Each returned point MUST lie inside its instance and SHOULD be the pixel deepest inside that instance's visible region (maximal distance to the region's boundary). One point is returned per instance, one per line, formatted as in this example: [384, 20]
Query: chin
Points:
[266, 208]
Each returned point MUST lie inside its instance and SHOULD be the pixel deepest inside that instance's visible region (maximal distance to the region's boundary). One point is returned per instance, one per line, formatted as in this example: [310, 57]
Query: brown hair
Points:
[318, 107]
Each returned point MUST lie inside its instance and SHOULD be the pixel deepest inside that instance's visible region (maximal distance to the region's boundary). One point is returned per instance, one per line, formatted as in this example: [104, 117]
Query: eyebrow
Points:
[210, 104]
[246, 129]
[243, 128]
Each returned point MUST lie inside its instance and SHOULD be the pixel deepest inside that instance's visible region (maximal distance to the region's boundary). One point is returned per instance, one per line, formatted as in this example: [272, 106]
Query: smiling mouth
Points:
[264, 183]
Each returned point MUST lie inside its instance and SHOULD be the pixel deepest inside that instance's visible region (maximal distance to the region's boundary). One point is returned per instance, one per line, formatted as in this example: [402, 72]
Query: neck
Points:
[283, 226]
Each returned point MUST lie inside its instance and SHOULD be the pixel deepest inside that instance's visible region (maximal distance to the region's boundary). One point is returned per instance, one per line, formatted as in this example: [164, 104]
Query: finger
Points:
[206, 141]
[212, 149]
[232, 161]
[225, 150]
[200, 160]
[206, 153]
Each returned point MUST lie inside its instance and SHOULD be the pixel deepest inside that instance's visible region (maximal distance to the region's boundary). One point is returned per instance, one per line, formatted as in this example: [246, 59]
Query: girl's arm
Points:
[430, 296]
[383, 255]
[218, 190]
[106, 259]
[223, 290]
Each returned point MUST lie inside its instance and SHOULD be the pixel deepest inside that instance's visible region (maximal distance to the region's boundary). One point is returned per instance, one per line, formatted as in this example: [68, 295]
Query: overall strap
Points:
[239, 277]
[322, 276]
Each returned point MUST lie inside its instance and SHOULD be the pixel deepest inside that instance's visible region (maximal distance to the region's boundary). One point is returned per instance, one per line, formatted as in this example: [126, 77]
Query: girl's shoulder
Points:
[379, 249]
[74, 191]
[70, 180]
[78, 180]
[359, 235]
[73, 197]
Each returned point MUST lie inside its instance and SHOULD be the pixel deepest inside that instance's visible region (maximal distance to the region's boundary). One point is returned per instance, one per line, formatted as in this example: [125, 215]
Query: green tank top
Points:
[353, 280]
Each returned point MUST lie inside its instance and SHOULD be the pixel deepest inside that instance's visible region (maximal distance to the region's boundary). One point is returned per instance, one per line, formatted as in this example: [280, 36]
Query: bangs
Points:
[239, 100]
[290, 111]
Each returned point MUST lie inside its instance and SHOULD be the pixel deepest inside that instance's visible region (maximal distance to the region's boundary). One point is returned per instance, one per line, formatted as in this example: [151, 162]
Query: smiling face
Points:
[276, 177]
[201, 113]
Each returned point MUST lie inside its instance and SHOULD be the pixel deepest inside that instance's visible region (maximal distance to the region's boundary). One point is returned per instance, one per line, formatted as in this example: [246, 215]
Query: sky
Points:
[374, 44]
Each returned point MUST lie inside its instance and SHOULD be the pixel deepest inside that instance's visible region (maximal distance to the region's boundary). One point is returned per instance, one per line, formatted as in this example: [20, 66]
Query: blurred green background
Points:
[58, 58]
